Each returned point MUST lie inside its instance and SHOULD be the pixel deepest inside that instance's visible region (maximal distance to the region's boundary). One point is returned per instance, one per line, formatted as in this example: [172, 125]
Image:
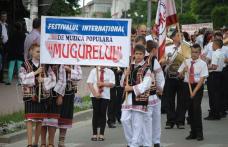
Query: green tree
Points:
[60, 8]
[203, 8]
[138, 12]
[220, 16]
[187, 18]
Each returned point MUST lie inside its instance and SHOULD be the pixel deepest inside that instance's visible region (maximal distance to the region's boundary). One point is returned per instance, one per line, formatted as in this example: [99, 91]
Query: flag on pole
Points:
[166, 16]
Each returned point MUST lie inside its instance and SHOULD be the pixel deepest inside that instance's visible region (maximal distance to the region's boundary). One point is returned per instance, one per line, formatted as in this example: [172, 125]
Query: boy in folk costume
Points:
[194, 71]
[35, 79]
[152, 119]
[100, 96]
[73, 75]
[53, 106]
[135, 104]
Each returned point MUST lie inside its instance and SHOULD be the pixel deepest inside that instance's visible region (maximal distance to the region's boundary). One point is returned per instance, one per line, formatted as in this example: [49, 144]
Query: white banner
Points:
[85, 41]
[191, 28]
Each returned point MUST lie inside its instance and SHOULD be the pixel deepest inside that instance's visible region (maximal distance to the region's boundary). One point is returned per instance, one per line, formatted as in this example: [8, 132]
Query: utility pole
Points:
[34, 9]
[181, 6]
[149, 15]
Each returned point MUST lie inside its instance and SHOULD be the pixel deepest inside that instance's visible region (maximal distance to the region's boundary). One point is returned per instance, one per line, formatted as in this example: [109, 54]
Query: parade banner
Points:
[85, 41]
[191, 28]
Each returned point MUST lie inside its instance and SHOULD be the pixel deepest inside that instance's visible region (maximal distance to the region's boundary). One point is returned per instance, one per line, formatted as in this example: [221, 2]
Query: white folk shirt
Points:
[109, 77]
[76, 73]
[61, 81]
[137, 89]
[200, 69]
[28, 79]
[160, 82]
[218, 59]
[4, 32]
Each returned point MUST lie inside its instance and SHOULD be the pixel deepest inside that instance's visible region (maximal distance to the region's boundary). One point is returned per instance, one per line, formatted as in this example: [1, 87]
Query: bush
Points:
[187, 18]
[220, 16]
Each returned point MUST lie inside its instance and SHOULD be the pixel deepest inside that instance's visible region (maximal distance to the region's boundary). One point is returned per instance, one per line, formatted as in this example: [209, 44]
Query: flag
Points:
[166, 16]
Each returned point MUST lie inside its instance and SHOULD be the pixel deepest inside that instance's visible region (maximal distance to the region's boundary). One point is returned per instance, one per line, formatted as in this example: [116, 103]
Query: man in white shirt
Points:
[215, 80]
[3, 42]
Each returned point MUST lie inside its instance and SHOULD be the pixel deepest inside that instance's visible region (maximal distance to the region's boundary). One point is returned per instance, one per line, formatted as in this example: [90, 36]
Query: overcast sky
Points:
[81, 2]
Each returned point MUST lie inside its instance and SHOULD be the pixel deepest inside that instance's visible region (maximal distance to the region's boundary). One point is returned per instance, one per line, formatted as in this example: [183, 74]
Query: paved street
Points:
[215, 133]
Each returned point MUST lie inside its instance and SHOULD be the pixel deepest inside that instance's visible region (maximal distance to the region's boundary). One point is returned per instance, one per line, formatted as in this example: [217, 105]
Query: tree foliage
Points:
[138, 12]
[220, 16]
[64, 8]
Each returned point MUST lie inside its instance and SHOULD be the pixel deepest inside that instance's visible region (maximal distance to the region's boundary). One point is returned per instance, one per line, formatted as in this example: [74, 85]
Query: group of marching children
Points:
[48, 94]
[142, 82]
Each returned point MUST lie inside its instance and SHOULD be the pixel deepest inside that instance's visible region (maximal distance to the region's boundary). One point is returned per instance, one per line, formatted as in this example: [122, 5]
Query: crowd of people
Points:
[134, 97]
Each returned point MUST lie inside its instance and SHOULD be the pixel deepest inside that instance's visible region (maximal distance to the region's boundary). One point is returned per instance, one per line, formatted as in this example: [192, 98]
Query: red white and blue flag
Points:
[166, 16]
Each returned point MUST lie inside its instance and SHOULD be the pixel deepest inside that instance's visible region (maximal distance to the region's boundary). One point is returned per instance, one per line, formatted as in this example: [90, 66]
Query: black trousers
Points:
[99, 114]
[114, 107]
[194, 109]
[224, 88]
[214, 82]
[175, 113]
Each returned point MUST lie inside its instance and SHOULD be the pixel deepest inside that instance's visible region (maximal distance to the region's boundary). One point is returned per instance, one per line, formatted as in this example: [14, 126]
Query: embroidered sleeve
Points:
[144, 85]
[61, 81]
[159, 76]
[76, 73]
[50, 80]
[26, 78]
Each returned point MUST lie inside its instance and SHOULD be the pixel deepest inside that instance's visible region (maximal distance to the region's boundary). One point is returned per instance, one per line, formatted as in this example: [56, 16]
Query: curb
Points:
[14, 137]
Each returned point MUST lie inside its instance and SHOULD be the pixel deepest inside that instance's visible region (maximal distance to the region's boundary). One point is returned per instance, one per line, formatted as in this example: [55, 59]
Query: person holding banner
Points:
[99, 87]
[53, 106]
[136, 100]
[29, 77]
[152, 124]
[198, 72]
[73, 75]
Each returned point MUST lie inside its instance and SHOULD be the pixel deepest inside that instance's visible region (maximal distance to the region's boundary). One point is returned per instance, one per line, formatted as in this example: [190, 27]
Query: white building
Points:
[119, 6]
[97, 8]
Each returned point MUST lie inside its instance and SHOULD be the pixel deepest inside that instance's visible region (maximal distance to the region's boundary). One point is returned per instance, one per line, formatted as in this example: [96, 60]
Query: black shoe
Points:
[35, 145]
[169, 126]
[199, 138]
[190, 137]
[8, 83]
[223, 114]
[180, 126]
[212, 118]
[119, 121]
[111, 126]
[157, 145]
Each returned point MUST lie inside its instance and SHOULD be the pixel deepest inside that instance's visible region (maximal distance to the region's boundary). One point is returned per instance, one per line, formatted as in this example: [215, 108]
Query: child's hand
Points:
[128, 88]
[100, 84]
[67, 68]
[59, 100]
[39, 70]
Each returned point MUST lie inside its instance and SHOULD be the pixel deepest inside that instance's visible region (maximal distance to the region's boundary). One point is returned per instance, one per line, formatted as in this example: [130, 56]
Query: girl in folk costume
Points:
[73, 75]
[100, 95]
[53, 106]
[135, 104]
[33, 83]
[152, 126]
